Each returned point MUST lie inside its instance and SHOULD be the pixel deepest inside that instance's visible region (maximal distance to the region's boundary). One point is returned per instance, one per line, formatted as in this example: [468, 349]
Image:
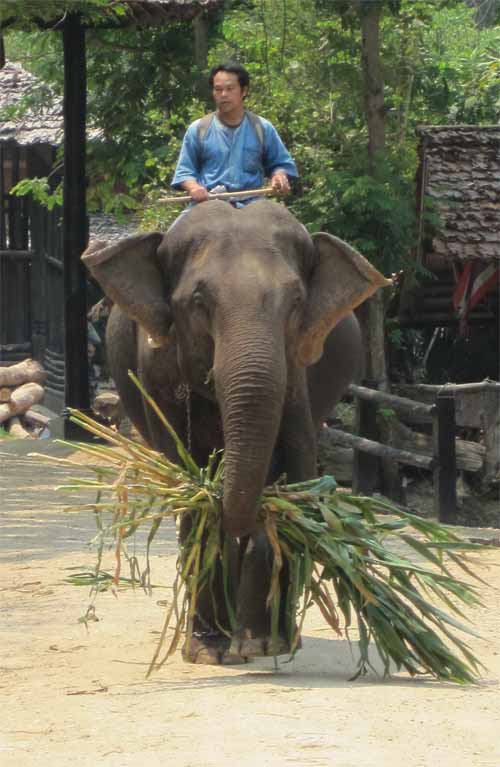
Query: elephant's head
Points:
[249, 297]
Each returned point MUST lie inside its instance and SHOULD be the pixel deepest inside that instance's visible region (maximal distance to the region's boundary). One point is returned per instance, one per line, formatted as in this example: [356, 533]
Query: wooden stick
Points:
[265, 191]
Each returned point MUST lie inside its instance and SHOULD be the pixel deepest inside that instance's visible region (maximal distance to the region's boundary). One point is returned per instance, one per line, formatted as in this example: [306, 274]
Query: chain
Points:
[183, 394]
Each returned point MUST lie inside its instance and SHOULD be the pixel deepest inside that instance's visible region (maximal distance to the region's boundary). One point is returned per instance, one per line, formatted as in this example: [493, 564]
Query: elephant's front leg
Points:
[211, 637]
[253, 637]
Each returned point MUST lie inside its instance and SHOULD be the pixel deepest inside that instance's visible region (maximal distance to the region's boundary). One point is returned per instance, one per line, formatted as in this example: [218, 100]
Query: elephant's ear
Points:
[129, 273]
[342, 279]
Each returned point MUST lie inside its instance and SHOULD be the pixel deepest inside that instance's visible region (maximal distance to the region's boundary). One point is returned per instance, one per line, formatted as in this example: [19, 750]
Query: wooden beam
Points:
[17, 255]
[400, 404]
[75, 227]
[445, 468]
[372, 448]
[366, 463]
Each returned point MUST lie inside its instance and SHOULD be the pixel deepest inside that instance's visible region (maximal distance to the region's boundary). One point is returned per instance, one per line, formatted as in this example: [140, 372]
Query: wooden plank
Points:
[373, 448]
[400, 404]
[366, 465]
[444, 320]
[450, 388]
[38, 299]
[17, 255]
[445, 468]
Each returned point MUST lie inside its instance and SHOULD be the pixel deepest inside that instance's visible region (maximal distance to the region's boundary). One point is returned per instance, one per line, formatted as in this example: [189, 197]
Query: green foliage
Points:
[40, 190]
[304, 61]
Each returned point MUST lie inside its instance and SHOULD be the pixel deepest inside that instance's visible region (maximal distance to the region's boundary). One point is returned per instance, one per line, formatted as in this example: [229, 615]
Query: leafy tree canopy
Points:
[439, 67]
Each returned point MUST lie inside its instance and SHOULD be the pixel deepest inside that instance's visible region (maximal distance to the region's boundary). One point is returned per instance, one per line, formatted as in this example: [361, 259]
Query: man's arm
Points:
[278, 163]
[187, 170]
[196, 191]
[280, 182]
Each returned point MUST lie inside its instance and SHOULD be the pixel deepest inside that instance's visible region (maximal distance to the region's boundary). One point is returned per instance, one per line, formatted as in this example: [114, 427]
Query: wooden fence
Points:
[368, 451]
[31, 280]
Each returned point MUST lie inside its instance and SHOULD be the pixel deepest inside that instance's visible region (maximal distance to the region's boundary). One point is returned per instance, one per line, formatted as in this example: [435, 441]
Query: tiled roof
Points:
[43, 125]
[461, 172]
[106, 227]
[140, 12]
[150, 12]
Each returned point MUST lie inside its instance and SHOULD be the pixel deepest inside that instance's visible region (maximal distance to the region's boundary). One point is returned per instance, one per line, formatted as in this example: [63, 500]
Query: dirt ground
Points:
[72, 696]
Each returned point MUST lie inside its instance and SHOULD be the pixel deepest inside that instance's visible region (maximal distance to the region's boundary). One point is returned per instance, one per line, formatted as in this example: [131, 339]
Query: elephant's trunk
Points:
[251, 383]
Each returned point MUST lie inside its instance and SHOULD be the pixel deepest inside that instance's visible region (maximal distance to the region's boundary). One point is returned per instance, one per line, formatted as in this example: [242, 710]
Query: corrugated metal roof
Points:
[460, 167]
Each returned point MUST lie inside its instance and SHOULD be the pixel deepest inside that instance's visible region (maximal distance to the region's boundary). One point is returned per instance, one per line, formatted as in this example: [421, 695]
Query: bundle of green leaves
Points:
[348, 555]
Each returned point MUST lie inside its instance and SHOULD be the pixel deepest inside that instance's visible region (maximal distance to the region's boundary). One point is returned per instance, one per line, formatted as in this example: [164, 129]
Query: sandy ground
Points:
[72, 696]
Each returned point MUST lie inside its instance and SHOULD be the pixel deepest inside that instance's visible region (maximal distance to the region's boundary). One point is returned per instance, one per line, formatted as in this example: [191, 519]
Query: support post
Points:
[445, 470]
[75, 227]
[365, 468]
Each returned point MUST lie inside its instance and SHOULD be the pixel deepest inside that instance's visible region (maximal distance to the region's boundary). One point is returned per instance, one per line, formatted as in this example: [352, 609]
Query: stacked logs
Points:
[20, 389]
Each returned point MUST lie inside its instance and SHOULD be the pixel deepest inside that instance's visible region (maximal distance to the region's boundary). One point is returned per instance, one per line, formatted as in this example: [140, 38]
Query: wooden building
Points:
[458, 198]
[31, 279]
[73, 25]
[31, 243]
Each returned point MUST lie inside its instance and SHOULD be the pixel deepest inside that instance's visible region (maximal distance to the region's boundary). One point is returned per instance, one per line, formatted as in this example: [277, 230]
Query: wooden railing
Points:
[368, 451]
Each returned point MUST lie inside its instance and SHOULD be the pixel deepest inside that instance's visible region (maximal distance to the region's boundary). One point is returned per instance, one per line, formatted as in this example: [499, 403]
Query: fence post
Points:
[365, 468]
[445, 470]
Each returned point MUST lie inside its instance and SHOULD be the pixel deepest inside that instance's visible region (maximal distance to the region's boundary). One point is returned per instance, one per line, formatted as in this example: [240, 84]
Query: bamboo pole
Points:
[266, 191]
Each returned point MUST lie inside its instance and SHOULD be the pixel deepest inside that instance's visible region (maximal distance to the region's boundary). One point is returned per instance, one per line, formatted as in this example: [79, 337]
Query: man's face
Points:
[227, 92]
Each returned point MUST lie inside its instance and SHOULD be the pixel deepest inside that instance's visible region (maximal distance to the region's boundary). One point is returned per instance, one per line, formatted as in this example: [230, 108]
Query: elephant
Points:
[254, 317]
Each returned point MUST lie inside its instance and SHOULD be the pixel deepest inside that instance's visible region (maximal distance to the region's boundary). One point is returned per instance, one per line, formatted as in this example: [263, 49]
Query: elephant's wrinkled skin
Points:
[240, 305]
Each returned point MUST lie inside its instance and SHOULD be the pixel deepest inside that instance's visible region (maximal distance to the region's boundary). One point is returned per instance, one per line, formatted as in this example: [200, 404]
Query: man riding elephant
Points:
[232, 149]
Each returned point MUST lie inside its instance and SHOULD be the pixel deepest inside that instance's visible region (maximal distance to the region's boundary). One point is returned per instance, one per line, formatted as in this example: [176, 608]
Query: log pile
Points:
[21, 388]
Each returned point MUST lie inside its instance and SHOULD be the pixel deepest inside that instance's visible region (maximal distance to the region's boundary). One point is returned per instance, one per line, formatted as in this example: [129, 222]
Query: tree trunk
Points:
[372, 313]
[373, 82]
[485, 12]
[200, 28]
[21, 400]
[371, 316]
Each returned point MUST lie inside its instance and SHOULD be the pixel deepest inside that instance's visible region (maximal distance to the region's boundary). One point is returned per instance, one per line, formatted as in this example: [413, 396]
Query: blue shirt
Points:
[232, 157]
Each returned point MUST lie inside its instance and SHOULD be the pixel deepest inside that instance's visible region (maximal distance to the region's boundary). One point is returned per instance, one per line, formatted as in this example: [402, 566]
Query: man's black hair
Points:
[235, 69]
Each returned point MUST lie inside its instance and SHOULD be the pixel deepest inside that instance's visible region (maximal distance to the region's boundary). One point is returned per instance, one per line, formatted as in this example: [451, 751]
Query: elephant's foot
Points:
[250, 646]
[211, 649]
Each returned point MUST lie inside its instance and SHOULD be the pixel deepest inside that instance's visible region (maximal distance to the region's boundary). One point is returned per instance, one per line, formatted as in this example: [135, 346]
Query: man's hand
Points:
[280, 183]
[197, 192]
